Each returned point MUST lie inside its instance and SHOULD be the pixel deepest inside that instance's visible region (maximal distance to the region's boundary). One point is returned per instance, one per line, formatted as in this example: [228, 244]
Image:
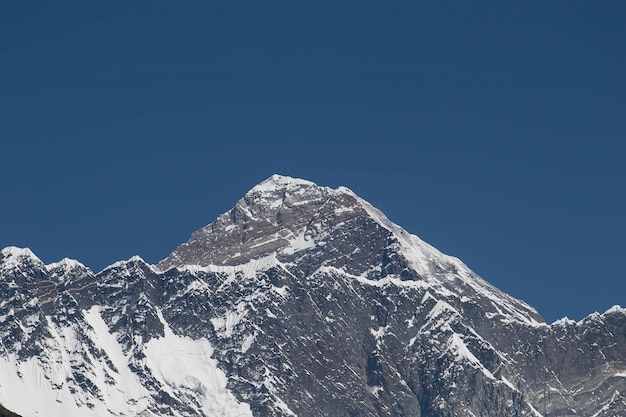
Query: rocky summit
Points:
[300, 301]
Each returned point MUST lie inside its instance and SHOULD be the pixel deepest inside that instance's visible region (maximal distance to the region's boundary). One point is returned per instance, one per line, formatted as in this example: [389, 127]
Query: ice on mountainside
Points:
[184, 364]
[300, 300]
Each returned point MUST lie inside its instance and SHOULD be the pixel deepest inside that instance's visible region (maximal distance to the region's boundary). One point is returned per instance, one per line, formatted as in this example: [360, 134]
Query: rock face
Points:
[301, 300]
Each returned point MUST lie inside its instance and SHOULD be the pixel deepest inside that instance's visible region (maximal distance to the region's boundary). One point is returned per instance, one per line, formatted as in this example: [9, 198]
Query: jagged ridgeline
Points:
[300, 301]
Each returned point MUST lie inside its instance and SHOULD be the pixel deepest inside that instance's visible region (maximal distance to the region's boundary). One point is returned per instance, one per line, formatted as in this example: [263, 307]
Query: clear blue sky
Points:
[493, 130]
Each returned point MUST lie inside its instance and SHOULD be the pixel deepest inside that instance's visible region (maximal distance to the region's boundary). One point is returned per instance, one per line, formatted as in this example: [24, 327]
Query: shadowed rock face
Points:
[6, 413]
[314, 304]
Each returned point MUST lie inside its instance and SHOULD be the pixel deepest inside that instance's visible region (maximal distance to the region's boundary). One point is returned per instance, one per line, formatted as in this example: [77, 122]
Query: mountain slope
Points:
[301, 300]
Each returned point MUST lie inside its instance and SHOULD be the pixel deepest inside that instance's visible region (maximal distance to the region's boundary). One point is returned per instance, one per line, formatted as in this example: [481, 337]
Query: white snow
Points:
[563, 322]
[247, 342]
[133, 259]
[299, 243]
[616, 396]
[249, 269]
[12, 257]
[341, 210]
[14, 251]
[508, 384]
[65, 264]
[378, 333]
[458, 346]
[225, 325]
[282, 291]
[615, 309]
[197, 285]
[279, 182]
[186, 366]
[441, 307]
[51, 377]
[45, 385]
[535, 412]
[26, 390]
[128, 388]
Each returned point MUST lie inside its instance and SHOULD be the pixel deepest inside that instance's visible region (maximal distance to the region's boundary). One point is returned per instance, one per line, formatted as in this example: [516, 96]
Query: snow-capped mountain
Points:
[300, 301]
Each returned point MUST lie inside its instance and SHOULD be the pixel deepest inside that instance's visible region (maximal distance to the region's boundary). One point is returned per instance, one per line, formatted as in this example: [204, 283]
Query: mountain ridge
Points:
[301, 300]
[72, 263]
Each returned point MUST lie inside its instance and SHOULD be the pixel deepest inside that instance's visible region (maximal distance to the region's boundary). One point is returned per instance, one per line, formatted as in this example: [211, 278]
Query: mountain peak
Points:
[285, 215]
[12, 257]
[281, 182]
[14, 251]
[277, 214]
[66, 264]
